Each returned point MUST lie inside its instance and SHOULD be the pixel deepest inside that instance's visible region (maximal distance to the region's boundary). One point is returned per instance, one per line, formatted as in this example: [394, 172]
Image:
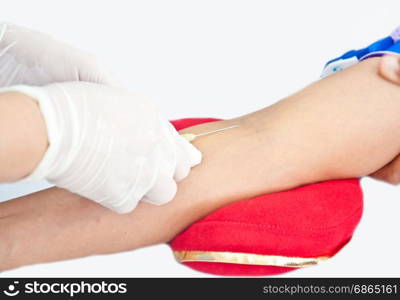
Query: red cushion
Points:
[272, 233]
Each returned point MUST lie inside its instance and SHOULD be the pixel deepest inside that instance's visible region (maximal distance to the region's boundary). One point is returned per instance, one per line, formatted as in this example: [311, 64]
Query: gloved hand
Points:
[34, 58]
[109, 145]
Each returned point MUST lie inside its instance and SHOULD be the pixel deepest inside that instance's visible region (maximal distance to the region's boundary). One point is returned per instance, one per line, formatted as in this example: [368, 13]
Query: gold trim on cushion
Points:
[248, 258]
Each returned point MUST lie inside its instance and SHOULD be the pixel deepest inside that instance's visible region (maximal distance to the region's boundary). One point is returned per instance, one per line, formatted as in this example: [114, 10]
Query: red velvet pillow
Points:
[273, 233]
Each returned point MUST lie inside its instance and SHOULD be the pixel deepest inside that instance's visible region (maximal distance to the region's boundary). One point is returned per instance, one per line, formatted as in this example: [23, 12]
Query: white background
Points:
[220, 59]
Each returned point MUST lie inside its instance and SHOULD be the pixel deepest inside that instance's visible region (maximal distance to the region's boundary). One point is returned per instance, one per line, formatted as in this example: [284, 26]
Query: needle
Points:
[191, 136]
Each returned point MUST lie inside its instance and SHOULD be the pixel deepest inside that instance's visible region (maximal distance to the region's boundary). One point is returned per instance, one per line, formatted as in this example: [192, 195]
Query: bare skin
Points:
[389, 68]
[343, 126]
[23, 136]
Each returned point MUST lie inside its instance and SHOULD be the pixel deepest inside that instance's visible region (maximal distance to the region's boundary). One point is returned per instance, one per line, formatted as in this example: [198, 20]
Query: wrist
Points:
[52, 110]
[23, 135]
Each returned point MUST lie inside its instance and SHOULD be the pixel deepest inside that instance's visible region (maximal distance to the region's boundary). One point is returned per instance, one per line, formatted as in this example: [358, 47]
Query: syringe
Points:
[191, 136]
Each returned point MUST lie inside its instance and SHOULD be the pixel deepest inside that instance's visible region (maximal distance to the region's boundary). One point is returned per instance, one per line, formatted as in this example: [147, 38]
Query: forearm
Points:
[343, 126]
[23, 138]
[346, 125]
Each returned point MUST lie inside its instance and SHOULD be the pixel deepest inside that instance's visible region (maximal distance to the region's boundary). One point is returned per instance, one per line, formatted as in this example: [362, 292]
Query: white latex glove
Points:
[109, 145]
[34, 58]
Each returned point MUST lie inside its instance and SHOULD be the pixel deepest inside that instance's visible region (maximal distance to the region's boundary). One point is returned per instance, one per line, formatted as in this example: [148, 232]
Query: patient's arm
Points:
[347, 125]
[389, 68]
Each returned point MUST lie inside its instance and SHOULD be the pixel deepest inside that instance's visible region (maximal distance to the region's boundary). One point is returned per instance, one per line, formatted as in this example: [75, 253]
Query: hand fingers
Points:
[389, 173]
[92, 70]
[389, 68]
[187, 157]
[163, 191]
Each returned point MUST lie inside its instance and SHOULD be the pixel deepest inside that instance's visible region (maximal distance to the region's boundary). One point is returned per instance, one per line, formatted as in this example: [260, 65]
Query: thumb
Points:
[389, 68]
